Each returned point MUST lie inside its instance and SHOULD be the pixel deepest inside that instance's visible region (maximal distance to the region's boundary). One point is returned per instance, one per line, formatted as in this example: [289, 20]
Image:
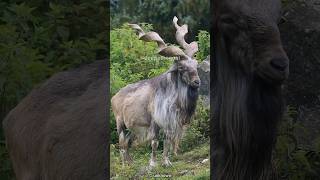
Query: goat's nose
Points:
[279, 63]
[197, 81]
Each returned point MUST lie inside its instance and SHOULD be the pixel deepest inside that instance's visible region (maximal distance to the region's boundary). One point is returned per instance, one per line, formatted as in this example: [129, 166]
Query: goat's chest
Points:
[167, 110]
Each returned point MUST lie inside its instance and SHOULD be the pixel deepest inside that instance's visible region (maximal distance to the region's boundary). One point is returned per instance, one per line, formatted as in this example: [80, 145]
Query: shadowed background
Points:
[39, 38]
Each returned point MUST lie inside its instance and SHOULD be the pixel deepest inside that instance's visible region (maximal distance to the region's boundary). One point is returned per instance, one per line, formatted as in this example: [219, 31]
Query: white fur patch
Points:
[167, 105]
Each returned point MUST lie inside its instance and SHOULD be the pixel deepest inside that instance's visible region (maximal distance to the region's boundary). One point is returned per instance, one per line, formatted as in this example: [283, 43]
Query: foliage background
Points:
[293, 160]
[39, 38]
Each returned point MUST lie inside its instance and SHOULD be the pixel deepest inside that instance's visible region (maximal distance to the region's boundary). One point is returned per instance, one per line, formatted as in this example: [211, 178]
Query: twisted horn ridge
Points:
[189, 49]
[164, 50]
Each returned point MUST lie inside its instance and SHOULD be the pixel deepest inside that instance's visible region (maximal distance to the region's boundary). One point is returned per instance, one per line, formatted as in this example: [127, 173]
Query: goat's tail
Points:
[125, 136]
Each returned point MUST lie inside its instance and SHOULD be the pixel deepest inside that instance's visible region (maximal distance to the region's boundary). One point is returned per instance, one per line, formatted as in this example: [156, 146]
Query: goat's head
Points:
[252, 39]
[185, 65]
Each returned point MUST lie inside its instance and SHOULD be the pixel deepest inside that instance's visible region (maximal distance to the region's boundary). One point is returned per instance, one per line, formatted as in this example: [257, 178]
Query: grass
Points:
[187, 165]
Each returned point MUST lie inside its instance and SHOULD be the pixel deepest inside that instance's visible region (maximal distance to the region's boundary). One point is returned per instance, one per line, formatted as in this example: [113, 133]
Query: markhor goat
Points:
[164, 102]
[250, 67]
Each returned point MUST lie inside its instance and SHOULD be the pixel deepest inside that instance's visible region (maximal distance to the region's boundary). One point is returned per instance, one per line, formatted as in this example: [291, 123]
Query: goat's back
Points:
[132, 105]
[59, 131]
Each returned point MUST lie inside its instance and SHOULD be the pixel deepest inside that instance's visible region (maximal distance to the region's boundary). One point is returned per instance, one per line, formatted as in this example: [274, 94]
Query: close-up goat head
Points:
[250, 68]
[166, 102]
[252, 36]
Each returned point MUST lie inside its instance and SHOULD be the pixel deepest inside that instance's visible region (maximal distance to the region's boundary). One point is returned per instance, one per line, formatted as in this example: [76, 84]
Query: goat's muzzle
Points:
[195, 83]
[275, 71]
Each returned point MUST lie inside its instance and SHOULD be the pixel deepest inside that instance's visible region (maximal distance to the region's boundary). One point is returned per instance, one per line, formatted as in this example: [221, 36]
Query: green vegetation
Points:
[204, 45]
[184, 166]
[39, 38]
[294, 161]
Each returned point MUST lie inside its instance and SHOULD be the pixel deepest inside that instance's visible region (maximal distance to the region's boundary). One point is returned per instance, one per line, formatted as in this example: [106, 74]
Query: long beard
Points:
[247, 113]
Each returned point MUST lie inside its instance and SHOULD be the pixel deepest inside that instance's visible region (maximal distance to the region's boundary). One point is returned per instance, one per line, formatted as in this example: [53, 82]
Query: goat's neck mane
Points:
[174, 99]
[185, 97]
[247, 115]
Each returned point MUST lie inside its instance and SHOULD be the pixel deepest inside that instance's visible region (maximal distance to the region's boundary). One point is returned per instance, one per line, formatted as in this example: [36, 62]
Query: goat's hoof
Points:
[152, 164]
[166, 163]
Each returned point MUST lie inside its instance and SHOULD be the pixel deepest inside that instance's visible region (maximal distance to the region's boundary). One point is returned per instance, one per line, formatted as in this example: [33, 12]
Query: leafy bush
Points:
[292, 160]
[204, 45]
[198, 130]
[37, 42]
[132, 59]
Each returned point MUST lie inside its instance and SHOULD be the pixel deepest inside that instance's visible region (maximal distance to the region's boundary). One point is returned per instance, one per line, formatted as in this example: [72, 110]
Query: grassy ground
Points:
[187, 165]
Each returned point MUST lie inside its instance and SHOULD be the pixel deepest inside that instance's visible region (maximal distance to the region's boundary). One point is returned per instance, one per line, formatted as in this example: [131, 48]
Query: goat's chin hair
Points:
[247, 113]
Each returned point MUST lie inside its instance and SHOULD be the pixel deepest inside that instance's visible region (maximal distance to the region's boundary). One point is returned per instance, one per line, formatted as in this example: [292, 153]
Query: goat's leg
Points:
[153, 135]
[176, 140]
[154, 145]
[166, 149]
[122, 147]
[129, 139]
[124, 143]
[175, 145]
